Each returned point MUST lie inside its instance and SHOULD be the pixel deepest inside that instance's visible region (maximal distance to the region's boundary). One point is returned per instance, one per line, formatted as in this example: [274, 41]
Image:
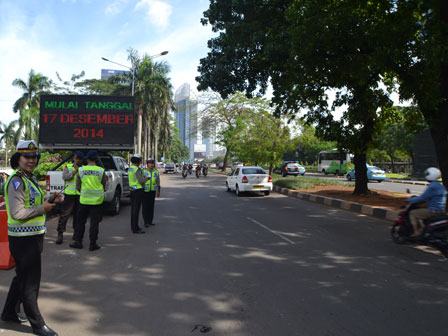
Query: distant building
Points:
[425, 154]
[186, 117]
[107, 73]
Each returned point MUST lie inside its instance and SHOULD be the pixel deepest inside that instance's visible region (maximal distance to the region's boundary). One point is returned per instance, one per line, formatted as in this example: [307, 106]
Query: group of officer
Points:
[84, 195]
[145, 186]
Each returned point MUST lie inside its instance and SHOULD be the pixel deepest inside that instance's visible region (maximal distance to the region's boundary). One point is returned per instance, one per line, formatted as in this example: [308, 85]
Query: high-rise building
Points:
[186, 117]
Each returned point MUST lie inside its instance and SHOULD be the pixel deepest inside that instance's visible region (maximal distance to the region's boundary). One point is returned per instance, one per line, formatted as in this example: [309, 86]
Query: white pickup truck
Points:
[117, 186]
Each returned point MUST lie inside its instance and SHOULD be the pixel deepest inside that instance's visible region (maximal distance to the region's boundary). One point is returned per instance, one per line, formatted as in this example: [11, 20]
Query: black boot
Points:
[60, 238]
[94, 246]
[76, 244]
[44, 331]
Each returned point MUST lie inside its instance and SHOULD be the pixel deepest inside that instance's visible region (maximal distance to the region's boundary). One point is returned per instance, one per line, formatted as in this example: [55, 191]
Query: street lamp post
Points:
[133, 68]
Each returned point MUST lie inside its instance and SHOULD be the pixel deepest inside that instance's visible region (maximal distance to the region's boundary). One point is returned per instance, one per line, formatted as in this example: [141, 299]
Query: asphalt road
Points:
[242, 266]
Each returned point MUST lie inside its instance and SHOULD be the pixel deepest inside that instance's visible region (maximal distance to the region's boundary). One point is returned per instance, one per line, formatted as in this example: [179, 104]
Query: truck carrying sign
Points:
[75, 121]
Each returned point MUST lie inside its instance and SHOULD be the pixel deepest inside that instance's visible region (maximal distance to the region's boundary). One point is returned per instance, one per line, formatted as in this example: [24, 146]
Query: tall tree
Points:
[420, 58]
[28, 104]
[9, 135]
[227, 117]
[306, 49]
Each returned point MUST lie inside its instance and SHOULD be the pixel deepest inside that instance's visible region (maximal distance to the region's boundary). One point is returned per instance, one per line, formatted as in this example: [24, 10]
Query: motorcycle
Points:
[204, 170]
[198, 171]
[184, 172]
[434, 234]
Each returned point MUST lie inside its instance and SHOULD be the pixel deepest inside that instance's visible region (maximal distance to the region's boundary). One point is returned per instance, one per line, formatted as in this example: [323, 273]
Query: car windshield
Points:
[292, 165]
[251, 171]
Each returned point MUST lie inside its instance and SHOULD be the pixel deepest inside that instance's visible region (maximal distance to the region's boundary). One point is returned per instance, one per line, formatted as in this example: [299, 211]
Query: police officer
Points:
[91, 182]
[26, 228]
[152, 188]
[71, 198]
[136, 183]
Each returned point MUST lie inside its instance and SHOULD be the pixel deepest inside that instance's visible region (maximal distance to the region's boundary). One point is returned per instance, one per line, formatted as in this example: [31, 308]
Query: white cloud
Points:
[116, 7]
[158, 12]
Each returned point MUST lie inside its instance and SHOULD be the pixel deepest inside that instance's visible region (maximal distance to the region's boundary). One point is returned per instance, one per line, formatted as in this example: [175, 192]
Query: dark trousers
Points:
[68, 207]
[96, 215]
[25, 285]
[136, 203]
[148, 206]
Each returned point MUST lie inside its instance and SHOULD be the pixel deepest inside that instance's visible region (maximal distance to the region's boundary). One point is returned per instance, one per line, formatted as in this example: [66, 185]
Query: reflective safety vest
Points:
[70, 185]
[34, 196]
[151, 184]
[92, 191]
[133, 181]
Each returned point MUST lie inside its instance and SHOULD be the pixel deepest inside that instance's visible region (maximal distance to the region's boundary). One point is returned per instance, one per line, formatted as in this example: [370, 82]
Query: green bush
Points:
[47, 162]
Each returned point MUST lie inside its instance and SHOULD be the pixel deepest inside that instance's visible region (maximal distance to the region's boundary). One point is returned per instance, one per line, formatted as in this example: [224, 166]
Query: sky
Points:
[71, 36]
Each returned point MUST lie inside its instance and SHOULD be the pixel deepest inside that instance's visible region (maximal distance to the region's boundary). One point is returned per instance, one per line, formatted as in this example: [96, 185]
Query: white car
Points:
[243, 179]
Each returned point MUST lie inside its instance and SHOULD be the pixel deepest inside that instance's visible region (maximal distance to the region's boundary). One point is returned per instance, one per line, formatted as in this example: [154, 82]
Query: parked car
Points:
[254, 179]
[290, 168]
[170, 168]
[117, 181]
[373, 174]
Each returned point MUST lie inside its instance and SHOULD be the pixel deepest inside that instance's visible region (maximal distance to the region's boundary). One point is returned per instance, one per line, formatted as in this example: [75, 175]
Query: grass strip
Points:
[300, 182]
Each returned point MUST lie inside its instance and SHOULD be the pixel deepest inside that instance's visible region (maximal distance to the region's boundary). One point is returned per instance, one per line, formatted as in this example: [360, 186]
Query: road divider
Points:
[385, 214]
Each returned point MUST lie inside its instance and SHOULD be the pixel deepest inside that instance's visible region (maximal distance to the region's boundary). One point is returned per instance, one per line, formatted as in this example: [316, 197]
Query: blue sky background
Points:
[69, 36]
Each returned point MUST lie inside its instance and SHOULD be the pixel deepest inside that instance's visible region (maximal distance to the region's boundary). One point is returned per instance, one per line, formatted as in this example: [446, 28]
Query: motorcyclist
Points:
[435, 198]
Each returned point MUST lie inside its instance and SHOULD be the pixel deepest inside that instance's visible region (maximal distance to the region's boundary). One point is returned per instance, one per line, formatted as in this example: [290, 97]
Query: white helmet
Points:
[432, 174]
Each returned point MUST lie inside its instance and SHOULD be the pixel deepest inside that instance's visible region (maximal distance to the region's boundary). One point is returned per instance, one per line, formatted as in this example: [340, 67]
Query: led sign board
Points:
[76, 121]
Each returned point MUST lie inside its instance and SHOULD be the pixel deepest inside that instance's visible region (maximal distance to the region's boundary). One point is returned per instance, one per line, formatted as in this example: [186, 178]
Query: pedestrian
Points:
[152, 189]
[71, 195]
[26, 210]
[136, 183]
[91, 182]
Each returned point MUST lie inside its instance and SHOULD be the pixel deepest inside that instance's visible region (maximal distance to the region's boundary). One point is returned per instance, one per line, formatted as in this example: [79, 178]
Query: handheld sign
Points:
[76, 121]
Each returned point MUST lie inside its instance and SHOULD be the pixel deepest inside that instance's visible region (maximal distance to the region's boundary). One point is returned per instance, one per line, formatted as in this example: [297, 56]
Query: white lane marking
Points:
[274, 232]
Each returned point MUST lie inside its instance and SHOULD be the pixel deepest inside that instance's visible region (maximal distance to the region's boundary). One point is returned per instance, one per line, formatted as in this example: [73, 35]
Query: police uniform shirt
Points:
[16, 198]
[78, 180]
[66, 175]
[157, 178]
[140, 178]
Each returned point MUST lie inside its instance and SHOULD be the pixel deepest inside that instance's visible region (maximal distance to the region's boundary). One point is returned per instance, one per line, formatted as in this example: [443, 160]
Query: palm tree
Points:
[28, 104]
[160, 101]
[152, 93]
[9, 136]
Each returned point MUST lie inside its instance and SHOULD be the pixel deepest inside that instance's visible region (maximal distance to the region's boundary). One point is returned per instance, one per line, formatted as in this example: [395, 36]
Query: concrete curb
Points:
[408, 182]
[380, 213]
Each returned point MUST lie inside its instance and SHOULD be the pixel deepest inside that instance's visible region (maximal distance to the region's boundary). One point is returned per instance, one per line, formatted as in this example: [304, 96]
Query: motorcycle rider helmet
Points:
[432, 174]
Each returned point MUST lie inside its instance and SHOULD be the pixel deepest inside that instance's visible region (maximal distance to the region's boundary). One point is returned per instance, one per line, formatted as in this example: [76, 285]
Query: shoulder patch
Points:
[16, 184]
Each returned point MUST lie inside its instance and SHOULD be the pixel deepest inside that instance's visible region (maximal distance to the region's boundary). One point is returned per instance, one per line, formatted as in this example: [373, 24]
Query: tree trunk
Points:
[392, 163]
[6, 153]
[361, 187]
[226, 157]
[139, 129]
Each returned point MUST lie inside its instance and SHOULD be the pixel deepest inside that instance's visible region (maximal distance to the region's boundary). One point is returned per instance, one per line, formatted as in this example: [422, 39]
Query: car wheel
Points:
[267, 192]
[115, 206]
[379, 181]
[303, 174]
[336, 173]
[323, 171]
[237, 191]
[349, 177]
[227, 186]
[284, 174]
